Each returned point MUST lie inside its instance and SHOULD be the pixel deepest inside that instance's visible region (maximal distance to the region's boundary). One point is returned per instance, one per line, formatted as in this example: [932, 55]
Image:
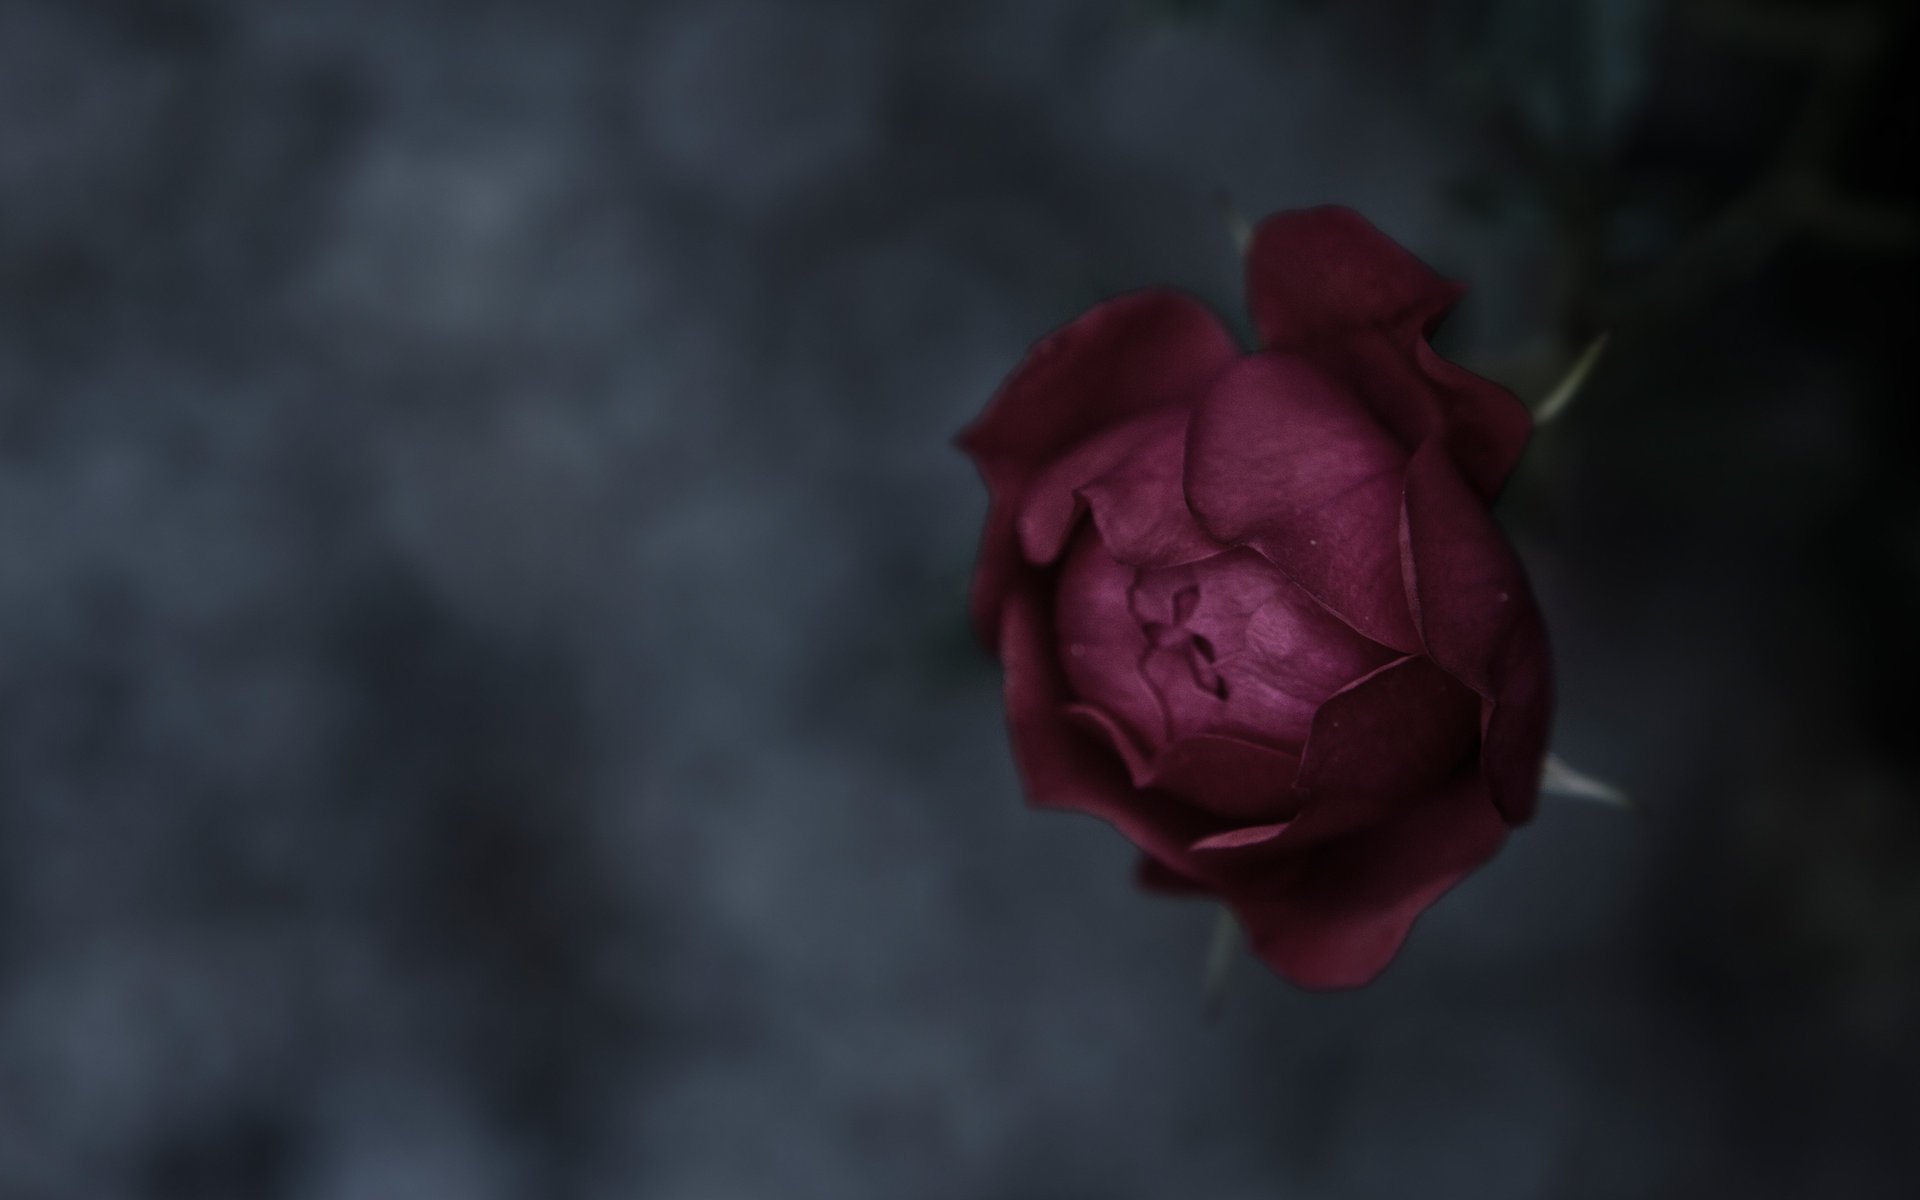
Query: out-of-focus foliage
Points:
[1573, 70]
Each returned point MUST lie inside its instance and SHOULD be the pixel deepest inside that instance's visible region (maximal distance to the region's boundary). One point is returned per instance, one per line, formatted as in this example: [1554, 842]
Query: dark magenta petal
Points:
[1051, 509]
[1380, 743]
[1321, 273]
[1140, 507]
[1283, 460]
[1487, 426]
[1480, 621]
[1519, 720]
[1393, 812]
[1419, 397]
[1325, 283]
[1128, 356]
[1335, 915]
[1130, 476]
[1099, 723]
[1386, 828]
[1063, 766]
[1227, 777]
[1230, 777]
[1467, 584]
[1099, 644]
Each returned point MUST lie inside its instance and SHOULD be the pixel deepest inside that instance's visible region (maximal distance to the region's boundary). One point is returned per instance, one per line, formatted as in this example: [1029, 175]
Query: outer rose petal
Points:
[1479, 620]
[1487, 426]
[1519, 721]
[1379, 743]
[1122, 358]
[1326, 283]
[1319, 273]
[1279, 458]
[1334, 917]
[1229, 777]
[1061, 765]
[1393, 812]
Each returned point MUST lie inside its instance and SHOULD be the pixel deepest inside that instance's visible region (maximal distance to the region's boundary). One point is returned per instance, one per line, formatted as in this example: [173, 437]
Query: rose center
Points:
[1225, 646]
[1190, 647]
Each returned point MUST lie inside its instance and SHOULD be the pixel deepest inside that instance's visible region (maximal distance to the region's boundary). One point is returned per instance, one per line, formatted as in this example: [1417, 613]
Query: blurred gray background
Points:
[485, 706]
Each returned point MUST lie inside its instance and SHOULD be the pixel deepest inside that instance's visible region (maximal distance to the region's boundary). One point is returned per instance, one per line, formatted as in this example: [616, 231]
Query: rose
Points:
[1252, 609]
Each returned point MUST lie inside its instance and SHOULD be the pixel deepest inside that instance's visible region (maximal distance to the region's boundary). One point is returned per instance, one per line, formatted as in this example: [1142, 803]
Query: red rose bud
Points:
[1253, 610]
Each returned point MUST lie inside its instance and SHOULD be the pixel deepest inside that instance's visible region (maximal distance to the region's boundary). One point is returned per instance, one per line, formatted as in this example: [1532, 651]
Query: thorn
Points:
[1220, 956]
[1570, 384]
[1559, 779]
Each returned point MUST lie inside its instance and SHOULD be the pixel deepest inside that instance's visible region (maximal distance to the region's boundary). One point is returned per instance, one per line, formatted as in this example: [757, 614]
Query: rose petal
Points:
[1418, 397]
[1099, 644]
[1380, 743]
[1062, 766]
[1335, 916]
[1140, 507]
[1279, 458]
[1487, 426]
[1326, 283]
[1479, 620]
[1130, 477]
[1228, 777]
[1466, 584]
[1386, 827]
[1114, 735]
[1051, 508]
[1228, 646]
[1320, 273]
[1377, 746]
[1123, 358]
[1519, 721]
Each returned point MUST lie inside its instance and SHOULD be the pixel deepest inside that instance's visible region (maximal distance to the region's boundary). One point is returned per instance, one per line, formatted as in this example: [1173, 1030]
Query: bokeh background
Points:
[485, 705]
